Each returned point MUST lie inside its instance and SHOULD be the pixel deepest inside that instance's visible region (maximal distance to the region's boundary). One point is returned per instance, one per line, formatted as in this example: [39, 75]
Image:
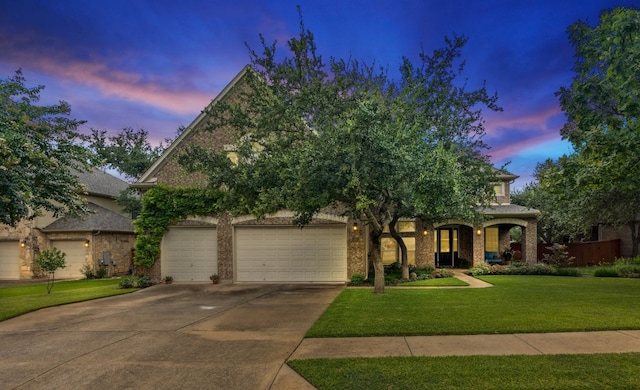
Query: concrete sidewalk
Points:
[465, 345]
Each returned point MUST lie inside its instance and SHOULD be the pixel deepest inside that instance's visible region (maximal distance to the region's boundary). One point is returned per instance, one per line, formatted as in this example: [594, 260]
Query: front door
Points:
[446, 247]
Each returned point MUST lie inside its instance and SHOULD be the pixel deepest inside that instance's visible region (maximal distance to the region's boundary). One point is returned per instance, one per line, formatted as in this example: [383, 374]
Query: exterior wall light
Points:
[23, 243]
[86, 243]
[425, 232]
[355, 226]
[479, 232]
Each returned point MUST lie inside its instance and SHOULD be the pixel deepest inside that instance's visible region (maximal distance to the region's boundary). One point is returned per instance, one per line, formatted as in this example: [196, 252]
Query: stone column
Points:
[530, 242]
[478, 246]
[356, 249]
[424, 245]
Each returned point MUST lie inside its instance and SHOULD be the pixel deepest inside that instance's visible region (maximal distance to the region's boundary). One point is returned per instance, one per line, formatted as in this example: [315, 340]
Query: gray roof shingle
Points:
[101, 183]
[100, 219]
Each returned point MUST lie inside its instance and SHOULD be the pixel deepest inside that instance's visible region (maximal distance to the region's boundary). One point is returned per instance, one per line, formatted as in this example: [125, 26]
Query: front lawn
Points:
[24, 299]
[605, 371]
[516, 304]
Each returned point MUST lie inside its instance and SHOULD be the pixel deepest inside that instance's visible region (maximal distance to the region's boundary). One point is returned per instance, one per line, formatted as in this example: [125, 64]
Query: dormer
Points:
[502, 187]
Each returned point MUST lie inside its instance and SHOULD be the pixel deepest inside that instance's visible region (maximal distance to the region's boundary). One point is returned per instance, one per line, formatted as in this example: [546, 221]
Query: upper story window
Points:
[232, 153]
[499, 190]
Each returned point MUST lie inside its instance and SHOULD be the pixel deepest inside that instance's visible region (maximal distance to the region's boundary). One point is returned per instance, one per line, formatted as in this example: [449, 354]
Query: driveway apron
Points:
[196, 336]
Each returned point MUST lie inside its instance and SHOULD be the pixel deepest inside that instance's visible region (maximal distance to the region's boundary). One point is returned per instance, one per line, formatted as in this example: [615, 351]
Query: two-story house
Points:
[330, 249]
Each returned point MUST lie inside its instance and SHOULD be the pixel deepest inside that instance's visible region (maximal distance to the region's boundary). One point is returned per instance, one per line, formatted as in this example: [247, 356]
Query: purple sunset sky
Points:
[156, 64]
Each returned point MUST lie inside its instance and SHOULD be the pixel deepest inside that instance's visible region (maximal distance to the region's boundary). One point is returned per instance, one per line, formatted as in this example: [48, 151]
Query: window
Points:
[491, 243]
[231, 154]
[390, 250]
[498, 188]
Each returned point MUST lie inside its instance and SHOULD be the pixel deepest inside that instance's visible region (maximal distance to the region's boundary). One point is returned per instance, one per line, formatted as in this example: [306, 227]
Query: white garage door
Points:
[75, 257]
[190, 254]
[291, 254]
[9, 260]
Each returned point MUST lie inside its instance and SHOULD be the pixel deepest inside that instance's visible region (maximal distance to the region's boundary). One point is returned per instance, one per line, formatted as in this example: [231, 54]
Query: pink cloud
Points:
[509, 136]
[129, 86]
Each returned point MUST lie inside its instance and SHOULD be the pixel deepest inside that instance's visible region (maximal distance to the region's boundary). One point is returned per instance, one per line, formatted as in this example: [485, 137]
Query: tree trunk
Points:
[376, 258]
[403, 247]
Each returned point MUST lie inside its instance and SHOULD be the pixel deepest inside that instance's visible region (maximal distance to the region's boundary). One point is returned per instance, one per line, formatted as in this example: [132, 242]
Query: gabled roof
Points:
[101, 184]
[99, 219]
[148, 178]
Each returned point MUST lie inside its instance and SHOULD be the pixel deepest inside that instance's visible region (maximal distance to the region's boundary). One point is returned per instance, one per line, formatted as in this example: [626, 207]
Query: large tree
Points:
[309, 137]
[130, 153]
[560, 216]
[602, 107]
[40, 147]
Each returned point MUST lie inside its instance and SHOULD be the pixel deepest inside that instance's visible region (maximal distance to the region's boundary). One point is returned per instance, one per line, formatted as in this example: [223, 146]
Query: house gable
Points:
[167, 170]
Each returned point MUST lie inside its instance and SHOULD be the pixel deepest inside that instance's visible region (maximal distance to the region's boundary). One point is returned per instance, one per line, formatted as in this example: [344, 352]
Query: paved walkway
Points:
[486, 344]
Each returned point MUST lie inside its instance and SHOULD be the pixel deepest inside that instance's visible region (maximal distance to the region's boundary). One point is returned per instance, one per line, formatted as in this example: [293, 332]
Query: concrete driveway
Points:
[192, 336]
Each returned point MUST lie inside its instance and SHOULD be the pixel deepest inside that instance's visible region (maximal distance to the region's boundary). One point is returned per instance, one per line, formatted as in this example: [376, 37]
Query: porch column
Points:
[424, 244]
[478, 245]
[530, 242]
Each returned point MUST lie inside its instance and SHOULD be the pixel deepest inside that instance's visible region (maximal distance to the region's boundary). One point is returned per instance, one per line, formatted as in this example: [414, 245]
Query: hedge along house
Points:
[105, 235]
[330, 249]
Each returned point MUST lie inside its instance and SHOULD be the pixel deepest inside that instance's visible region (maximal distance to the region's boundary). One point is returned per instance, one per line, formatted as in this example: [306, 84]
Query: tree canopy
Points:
[311, 136]
[129, 152]
[40, 152]
[602, 107]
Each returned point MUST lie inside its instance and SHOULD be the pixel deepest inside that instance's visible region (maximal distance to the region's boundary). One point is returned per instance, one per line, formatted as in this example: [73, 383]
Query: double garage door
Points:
[262, 254]
[291, 254]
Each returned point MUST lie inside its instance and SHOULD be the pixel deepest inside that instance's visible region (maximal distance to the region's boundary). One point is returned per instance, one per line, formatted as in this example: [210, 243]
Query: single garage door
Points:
[291, 254]
[190, 254]
[9, 260]
[75, 257]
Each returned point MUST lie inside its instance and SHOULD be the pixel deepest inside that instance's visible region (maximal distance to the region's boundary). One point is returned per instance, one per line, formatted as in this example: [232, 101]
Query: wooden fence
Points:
[585, 253]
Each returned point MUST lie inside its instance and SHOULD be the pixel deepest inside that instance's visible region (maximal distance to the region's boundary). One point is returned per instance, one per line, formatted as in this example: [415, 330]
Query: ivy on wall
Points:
[163, 205]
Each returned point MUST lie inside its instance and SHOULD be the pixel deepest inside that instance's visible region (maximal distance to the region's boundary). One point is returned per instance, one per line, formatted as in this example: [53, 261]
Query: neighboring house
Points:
[84, 240]
[330, 249]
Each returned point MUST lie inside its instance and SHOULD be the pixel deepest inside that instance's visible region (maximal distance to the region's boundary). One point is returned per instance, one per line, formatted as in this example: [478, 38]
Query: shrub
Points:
[483, 268]
[516, 269]
[568, 272]
[142, 282]
[442, 273]
[559, 256]
[628, 271]
[606, 272]
[101, 272]
[424, 271]
[357, 279]
[126, 282]
[87, 272]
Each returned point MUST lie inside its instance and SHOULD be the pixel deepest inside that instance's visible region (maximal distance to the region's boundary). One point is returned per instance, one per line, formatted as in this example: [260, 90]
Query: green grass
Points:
[24, 299]
[516, 304]
[605, 371]
[437, 282]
